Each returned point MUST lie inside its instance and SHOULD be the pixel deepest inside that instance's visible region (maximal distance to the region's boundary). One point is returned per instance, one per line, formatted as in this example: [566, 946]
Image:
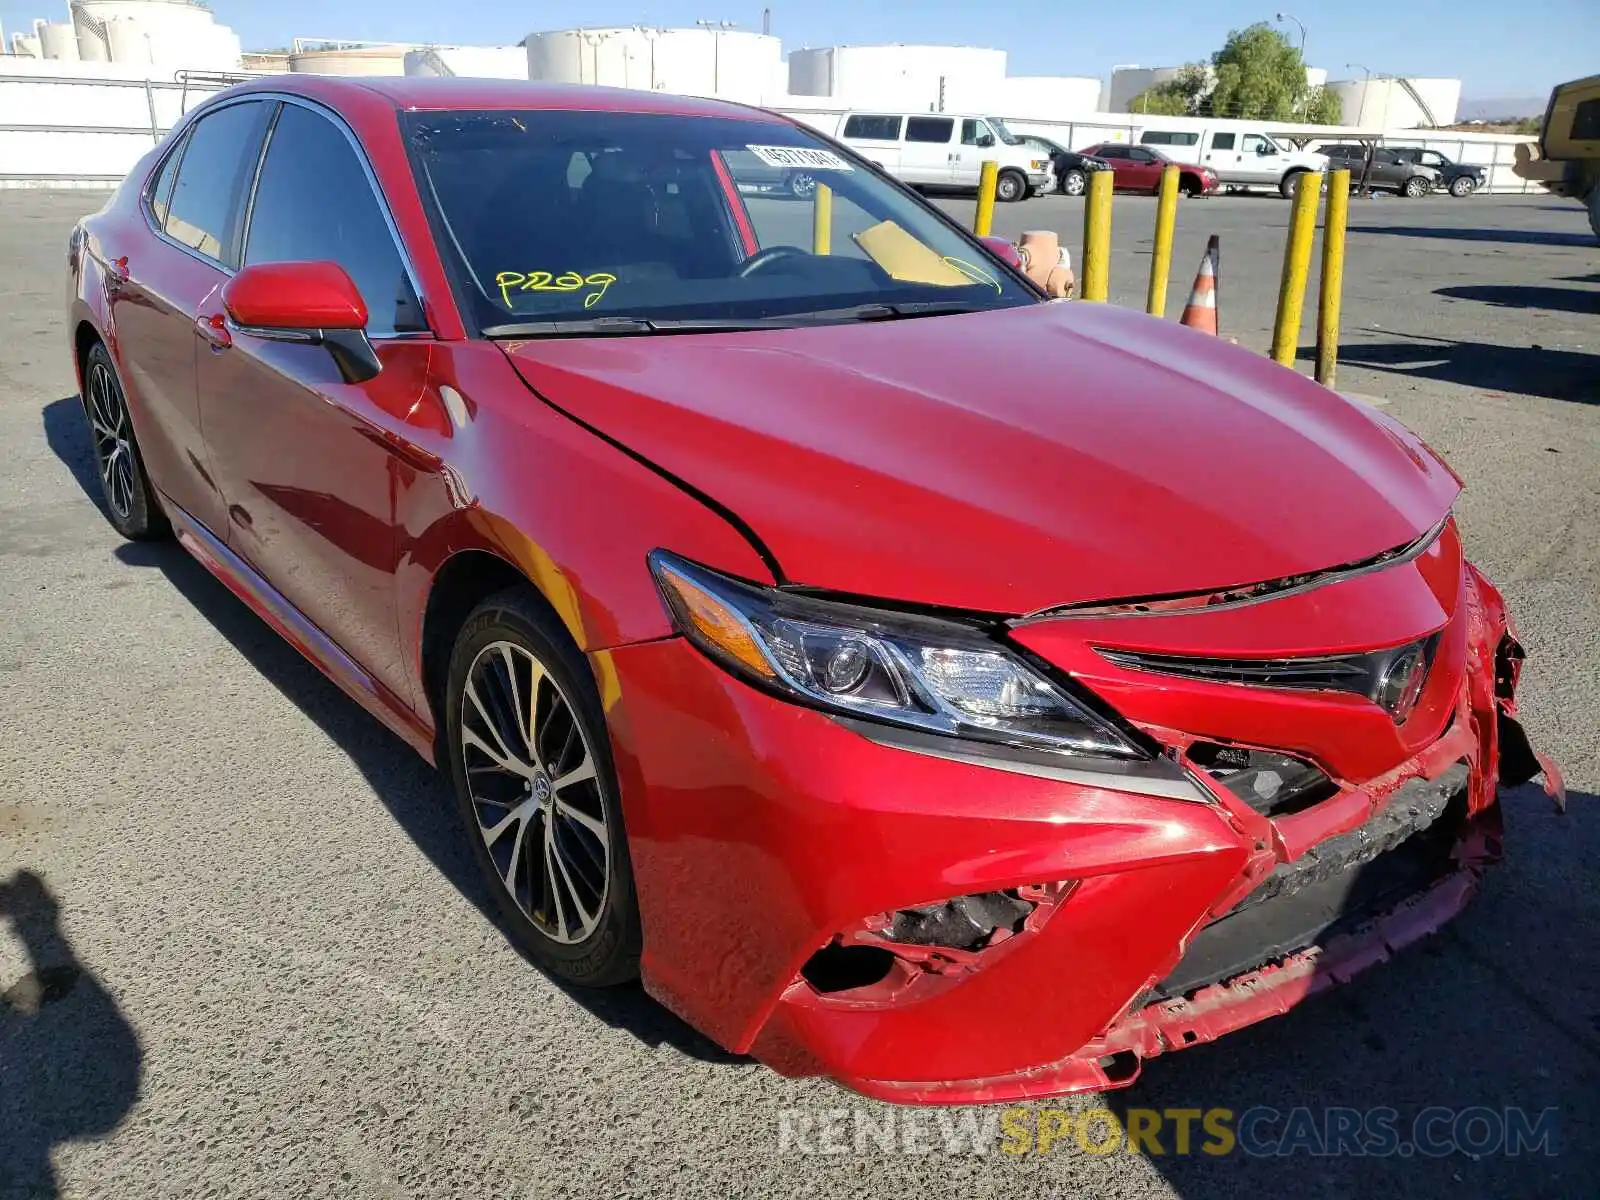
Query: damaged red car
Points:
[916, 682]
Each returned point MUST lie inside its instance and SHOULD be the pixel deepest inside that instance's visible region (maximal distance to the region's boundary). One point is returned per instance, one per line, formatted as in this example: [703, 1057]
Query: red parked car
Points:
[1139, 168]
[959, 694]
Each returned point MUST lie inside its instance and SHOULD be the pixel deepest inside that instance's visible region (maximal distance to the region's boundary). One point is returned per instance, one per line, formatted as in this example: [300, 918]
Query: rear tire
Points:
[130, 501]
[1416, 187]
[1010, 187]
[1074, 182]
[1463, 185]
[530, 758]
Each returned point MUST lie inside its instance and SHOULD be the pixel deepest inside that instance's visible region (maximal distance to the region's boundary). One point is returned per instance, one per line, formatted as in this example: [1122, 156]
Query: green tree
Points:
[1259, 75]
[1321, 107]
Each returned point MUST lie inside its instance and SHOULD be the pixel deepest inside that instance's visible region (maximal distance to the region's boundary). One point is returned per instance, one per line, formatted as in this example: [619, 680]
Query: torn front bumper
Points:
[764, 835]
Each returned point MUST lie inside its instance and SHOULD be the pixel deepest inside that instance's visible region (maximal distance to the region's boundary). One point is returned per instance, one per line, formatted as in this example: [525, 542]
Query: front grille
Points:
[1333, 887]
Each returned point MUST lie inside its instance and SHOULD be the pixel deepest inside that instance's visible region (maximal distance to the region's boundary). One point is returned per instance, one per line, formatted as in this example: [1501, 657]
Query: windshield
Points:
[560, 217]
[1003, 132]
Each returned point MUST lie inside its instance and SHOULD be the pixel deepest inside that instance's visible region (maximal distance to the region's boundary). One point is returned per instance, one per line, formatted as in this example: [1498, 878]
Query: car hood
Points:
[1007, 461]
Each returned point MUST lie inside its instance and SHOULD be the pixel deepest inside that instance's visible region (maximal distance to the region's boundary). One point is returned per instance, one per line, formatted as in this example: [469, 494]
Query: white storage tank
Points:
[348, 58]
[1128, 82]
[1391, 103]
[896, 76]
[732, 64]
[176, 33]
[57, 39]
[1046, 97]
[470, 62]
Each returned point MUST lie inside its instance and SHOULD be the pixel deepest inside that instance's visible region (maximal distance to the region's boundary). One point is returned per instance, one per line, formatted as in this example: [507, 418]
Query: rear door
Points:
[1142, 170]
[1122, 170]
[927, 153]
[159, 284]
[312, 466]
[1221, 154]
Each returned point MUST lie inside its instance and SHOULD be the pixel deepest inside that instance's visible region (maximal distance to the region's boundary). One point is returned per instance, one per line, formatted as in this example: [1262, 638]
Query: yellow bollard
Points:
[983, 220]
[1155, 301]
[1296, 264]
[1097, 238]
[822, 220]
[1332, 283]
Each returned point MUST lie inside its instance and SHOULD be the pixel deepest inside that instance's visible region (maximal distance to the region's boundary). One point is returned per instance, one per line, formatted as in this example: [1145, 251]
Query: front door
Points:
[978, 143]
[156, 288]
[312, 467]
[1260, 159]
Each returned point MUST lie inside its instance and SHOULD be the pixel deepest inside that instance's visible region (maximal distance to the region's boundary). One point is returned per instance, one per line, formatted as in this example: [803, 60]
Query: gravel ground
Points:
[289, 986]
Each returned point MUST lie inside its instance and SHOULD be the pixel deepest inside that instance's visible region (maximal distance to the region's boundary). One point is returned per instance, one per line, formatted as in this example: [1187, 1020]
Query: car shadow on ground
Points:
[1525, 237]
[1523, 370]
[415, 795]
[70, 1063]
[1556, 299]
[1497, 1016]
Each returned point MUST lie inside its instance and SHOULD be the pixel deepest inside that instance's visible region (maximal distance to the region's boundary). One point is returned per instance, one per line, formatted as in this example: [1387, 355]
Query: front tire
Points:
[530, 759]
[1073, 182]
[130, 501]
[1290, 184]
[1462, 185]
[802, 185]
[1010, 187]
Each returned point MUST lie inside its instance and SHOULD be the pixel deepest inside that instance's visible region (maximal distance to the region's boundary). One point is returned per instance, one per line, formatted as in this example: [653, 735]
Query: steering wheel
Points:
[762, 259]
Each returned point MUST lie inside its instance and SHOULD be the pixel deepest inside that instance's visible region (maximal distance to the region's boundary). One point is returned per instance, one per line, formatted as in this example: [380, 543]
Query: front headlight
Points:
[923, 673]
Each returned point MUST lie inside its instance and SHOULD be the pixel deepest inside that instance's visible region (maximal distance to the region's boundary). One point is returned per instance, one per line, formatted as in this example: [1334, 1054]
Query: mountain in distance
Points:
[1496, 108]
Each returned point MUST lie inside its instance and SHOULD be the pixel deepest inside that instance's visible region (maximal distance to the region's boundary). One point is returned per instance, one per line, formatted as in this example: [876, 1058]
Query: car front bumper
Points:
[766, 836]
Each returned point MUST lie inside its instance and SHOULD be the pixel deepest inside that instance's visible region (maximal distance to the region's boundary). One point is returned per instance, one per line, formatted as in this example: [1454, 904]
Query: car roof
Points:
[433, 92]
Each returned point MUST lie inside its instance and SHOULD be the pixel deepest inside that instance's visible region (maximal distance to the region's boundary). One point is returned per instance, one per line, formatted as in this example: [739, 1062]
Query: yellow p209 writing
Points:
[546, 281]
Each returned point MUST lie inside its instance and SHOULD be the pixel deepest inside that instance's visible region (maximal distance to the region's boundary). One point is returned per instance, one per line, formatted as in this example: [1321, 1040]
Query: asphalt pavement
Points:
[262, 966]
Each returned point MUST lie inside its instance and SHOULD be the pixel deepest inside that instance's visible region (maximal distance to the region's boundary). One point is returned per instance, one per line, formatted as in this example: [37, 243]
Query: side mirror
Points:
[985, 140]
[1265, 150]
[313, 302]
[1002, 249]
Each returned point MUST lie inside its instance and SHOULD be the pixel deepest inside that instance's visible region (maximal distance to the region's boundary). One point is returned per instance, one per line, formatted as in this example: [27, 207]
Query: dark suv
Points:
[1071, 169]
[1459, 179]
[1390, 171]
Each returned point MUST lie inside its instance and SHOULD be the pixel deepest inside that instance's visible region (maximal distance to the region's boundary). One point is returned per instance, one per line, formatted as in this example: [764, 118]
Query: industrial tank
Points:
[895, 76]
[1046, 97]
[729, 63]
[57, 40]
[1398, 103]
[170, 33]
[471, 62]
[348, 58]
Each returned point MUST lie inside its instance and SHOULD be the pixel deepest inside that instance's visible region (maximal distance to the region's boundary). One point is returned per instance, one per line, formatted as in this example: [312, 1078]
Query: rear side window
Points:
[930, 129]
[1222, 141]
[314, 203]
[1112, 152]
[204, 212]
[1143, 156]
[160, 191]
[873, 129]
[1164, 137]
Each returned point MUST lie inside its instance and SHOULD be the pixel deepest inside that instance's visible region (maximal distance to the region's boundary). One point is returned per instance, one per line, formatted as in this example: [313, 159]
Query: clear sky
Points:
[1497, 48]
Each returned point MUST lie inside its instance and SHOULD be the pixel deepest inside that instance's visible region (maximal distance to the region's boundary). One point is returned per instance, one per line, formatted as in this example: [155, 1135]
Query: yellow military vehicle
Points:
[1567, 158]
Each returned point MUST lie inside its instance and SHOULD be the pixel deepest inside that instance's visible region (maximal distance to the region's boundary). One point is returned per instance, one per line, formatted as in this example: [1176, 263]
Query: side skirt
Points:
[274, 608]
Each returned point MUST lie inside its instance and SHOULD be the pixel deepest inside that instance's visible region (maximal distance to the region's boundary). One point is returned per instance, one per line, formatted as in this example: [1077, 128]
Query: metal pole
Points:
[988, 177]
[822, 221]
[150, 102]
[1296, 265]
[1097, 238]
[1332, 282]
[1155, 302]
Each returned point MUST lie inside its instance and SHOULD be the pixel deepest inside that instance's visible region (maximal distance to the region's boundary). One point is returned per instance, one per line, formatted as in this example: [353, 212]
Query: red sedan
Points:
[916, 682]
[1139, 168]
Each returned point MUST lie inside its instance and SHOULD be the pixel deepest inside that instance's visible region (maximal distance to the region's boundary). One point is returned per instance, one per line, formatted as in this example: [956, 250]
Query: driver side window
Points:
[973, 132]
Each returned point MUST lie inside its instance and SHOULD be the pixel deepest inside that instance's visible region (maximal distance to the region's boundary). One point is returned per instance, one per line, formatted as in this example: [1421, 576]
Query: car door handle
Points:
[214, 328]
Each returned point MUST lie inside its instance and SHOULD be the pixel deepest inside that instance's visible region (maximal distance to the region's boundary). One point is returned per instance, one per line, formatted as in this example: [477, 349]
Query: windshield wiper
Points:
[631, 326]
[900, 312]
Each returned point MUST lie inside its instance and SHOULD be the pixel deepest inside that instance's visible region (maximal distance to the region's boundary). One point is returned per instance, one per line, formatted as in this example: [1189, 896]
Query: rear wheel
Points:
[1073, 182]
[1010, 187]
[131, 502]
[1463, 185]
[531, 763]
[1416, 187]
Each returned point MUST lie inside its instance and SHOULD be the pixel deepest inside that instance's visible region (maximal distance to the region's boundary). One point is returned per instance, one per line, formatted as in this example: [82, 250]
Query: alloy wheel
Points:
[535, 792]
[113, 446]
[1072, 184]
[802, 185]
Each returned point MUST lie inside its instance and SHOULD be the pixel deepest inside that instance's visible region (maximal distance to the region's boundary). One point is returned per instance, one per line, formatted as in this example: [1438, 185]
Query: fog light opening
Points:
[837, 968]
[965, 923]
[1121, 1067]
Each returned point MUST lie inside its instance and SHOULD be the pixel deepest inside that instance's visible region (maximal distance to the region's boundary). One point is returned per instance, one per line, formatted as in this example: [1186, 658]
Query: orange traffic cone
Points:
[1201, 311]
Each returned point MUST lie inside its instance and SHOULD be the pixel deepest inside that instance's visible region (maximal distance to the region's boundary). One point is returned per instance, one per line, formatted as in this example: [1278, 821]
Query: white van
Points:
[946, 150]
[1240, 156]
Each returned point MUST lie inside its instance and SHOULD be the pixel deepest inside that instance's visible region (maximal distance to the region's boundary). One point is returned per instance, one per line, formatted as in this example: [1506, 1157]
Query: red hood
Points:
[1008, 461]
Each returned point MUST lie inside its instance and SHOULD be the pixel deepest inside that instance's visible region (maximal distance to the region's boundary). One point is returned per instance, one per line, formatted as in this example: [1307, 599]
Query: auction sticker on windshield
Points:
[800, 156]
